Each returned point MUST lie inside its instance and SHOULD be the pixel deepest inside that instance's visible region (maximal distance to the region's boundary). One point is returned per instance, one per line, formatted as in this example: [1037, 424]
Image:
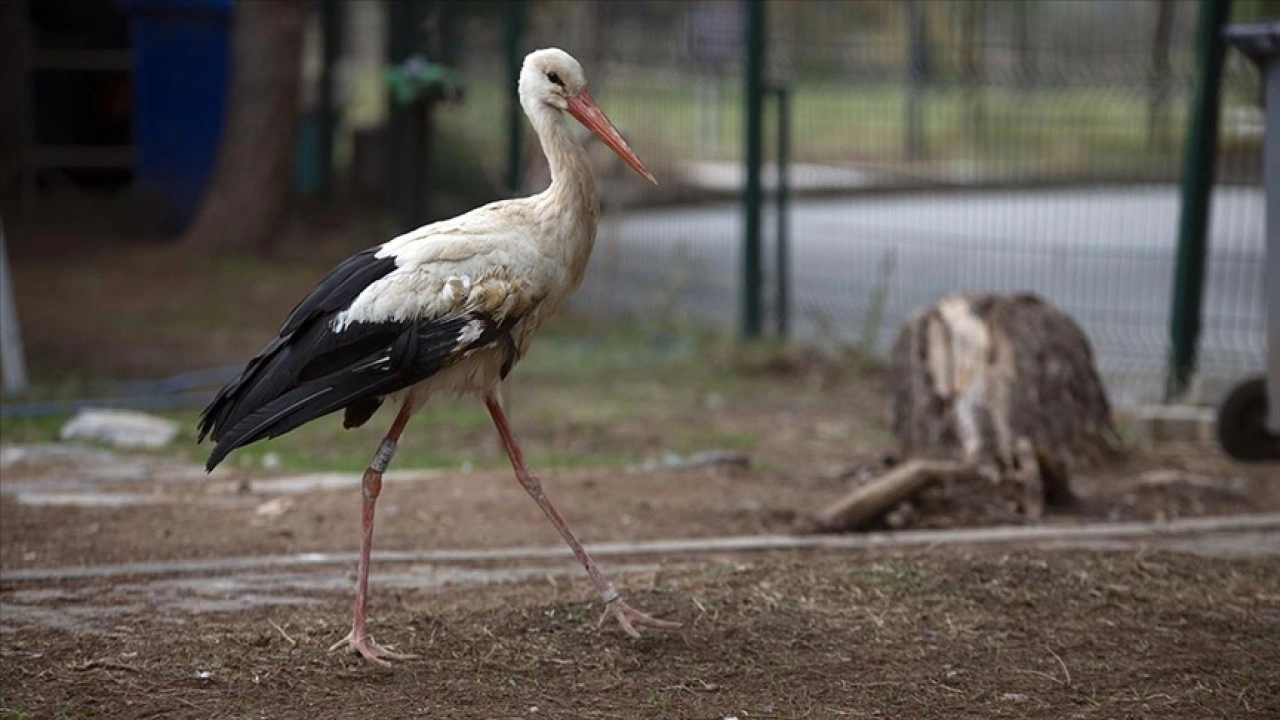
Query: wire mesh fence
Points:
[936, 147]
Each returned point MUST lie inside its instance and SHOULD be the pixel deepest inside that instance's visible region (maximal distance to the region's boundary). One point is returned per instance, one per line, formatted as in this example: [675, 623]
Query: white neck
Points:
[569, 208]
[573, 182]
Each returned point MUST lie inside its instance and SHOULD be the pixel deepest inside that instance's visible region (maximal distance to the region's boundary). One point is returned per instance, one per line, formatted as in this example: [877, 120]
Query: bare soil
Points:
[189, 517]
[936, 634]
[1027, 632]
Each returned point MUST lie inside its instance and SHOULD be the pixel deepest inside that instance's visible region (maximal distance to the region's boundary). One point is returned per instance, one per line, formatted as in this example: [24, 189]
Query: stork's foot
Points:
[369, 650]
[628, 617]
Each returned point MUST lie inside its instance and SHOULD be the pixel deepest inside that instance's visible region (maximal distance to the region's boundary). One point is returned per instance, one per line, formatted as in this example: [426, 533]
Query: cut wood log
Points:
[872, 499]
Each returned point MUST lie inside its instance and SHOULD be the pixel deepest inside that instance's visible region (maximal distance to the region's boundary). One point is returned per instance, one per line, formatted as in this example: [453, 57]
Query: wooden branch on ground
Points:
[873, 499]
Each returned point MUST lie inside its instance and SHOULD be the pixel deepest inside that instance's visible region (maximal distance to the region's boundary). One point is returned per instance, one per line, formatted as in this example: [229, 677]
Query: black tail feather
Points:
[293, 409]
[320, 371]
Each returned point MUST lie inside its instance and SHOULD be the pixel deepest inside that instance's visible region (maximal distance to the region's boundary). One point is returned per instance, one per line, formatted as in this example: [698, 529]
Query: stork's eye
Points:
[555, 79]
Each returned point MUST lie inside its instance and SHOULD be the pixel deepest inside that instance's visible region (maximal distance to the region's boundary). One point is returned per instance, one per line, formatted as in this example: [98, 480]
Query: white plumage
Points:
[448, 308]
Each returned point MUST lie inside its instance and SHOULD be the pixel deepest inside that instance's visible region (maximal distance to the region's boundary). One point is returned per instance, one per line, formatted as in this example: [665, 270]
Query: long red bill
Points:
[583, 107]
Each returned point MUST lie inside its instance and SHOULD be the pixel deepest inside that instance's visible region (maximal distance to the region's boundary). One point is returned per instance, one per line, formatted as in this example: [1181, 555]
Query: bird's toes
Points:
[657, 623]
[628, 617]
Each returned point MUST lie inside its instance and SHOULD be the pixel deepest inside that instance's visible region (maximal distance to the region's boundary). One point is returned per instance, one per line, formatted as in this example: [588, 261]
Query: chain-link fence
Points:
[936, 147]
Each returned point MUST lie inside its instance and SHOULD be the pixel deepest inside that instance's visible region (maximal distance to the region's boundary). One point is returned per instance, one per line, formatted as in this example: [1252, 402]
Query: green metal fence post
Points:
[1197, 182]
[515, 115]
[752, 267]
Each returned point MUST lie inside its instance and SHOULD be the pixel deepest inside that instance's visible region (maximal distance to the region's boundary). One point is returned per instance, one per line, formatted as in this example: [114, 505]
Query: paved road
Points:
[1104, 255]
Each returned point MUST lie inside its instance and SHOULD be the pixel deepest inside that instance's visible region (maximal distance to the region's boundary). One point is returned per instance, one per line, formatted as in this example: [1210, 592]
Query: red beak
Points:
[584, 109]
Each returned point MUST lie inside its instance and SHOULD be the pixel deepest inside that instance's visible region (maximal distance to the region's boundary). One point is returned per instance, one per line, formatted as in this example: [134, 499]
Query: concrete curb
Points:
[745, 544]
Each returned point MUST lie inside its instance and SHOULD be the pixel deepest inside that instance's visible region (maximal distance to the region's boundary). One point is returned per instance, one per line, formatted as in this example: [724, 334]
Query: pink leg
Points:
[371, 486]
[615, 606]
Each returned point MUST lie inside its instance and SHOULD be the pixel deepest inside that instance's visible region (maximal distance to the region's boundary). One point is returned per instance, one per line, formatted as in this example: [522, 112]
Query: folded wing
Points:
[312, 369]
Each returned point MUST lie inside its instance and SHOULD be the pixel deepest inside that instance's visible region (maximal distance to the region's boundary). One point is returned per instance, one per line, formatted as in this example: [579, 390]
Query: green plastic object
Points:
[416, 77]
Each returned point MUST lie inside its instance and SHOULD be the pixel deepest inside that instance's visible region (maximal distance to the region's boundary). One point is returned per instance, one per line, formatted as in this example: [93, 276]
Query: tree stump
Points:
[249, 191]
[996, 385]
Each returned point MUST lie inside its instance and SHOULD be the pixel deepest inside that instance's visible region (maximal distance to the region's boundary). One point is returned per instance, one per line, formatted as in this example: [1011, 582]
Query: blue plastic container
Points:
[181, 66]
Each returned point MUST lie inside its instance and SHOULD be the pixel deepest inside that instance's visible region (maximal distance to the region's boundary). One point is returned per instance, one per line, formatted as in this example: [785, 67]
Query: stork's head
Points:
[551, 77]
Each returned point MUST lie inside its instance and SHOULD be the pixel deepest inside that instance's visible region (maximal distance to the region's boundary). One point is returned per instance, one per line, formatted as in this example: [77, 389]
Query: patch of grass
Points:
[894, 575]
[1058, 130]
[658, 700]
[35, 429]
[10, 710]
[586, 395]
[67, 712]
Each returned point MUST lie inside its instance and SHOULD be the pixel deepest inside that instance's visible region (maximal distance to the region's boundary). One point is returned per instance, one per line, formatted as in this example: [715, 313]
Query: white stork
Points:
[447, 308]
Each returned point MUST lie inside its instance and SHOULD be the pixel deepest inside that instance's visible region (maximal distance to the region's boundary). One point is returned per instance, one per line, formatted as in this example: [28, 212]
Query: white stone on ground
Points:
[120, 428]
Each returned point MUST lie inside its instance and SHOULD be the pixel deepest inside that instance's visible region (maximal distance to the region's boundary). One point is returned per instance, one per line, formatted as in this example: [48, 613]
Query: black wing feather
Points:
[280, 399]
[335, 292]
[310, 370]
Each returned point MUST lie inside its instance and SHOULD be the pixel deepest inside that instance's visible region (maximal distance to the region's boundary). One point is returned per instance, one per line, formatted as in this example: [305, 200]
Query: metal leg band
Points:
[382, 458]
[610, 595]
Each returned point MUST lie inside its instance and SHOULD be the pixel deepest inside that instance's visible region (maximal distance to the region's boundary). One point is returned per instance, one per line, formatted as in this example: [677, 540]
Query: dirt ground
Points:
[130, 508]
[936, 634]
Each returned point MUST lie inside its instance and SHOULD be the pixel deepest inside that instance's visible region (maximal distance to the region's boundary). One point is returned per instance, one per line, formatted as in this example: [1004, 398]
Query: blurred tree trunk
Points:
[249, 191]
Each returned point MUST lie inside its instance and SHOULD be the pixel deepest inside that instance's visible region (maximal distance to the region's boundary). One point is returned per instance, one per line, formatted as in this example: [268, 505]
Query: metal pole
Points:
[515, 115]
[1271, 179]
[15, 369]
[782, 300]
[752, 265]
[917, 75]
[1197, 182]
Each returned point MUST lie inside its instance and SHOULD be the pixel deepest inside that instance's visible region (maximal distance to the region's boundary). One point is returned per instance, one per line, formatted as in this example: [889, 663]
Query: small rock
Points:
[271, 460]
[901, 516]
[1013, 697]
[120, 428]
[707, 458]
[274, 508]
